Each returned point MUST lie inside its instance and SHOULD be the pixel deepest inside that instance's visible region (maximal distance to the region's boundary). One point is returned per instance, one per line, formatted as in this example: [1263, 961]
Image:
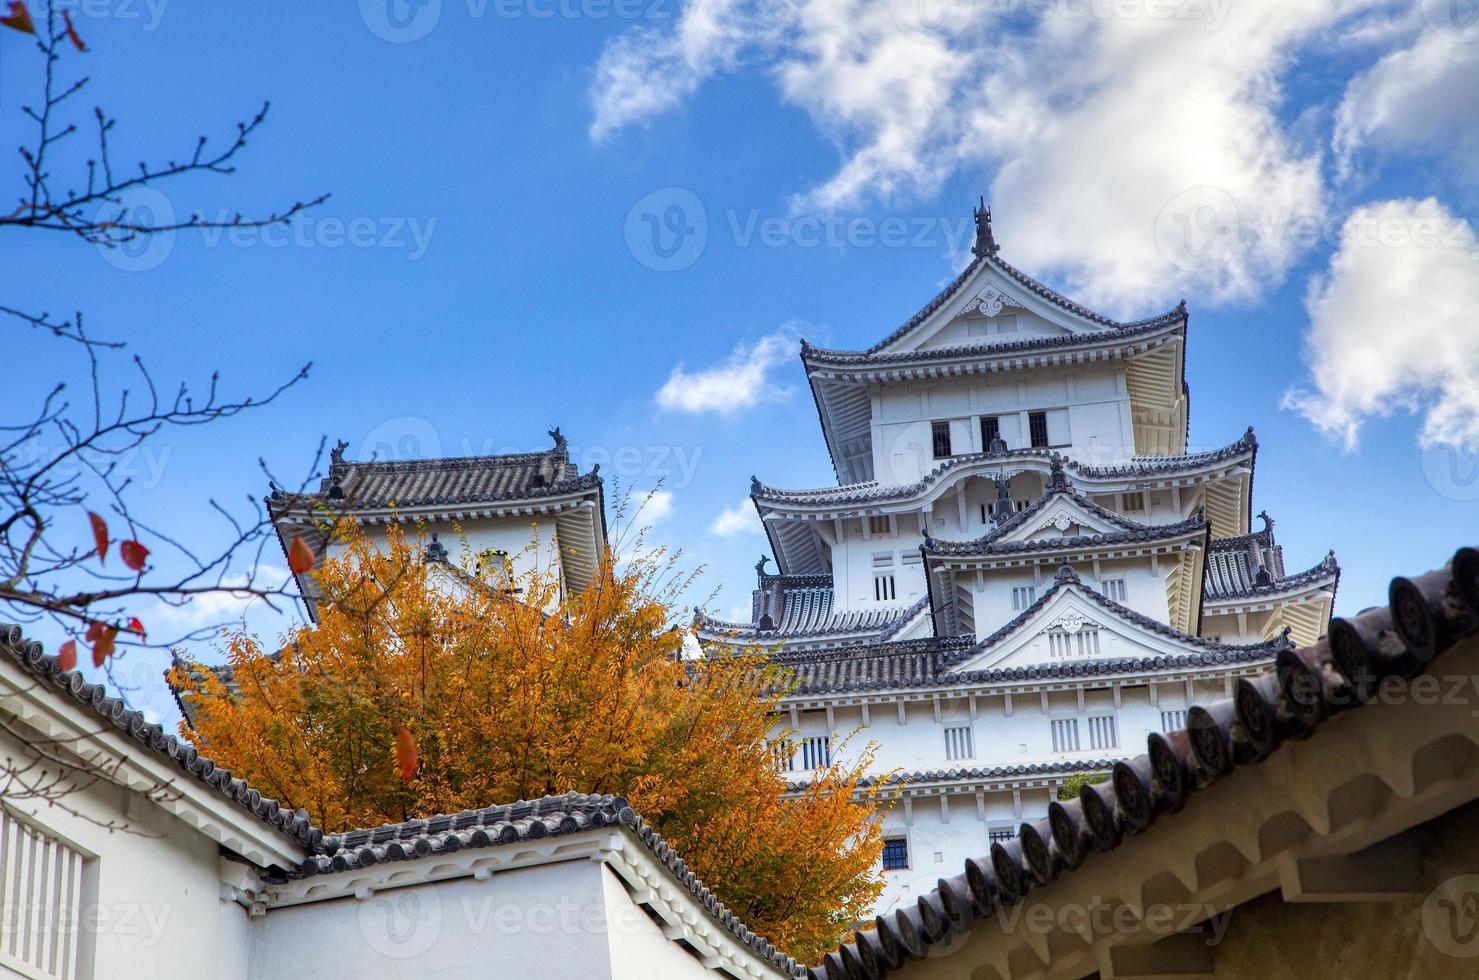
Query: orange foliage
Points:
[515, 694]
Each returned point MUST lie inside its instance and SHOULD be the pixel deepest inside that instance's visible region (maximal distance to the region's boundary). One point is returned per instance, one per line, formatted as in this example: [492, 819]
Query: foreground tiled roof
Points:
[1425, 618]
[130, 723]
[1032, 285]
[329, 854]
[493, 826]
[875, 492]
[452, 480]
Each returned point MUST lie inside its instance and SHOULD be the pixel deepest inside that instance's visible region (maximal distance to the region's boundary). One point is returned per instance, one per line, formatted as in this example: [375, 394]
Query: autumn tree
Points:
[430, 688]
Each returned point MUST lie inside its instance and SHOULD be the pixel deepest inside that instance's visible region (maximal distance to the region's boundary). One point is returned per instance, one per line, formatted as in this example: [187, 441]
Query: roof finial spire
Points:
[985, 242]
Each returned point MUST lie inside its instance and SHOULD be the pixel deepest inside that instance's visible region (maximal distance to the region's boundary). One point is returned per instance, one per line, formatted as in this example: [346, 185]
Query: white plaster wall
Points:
[1089, 410]
[1022, 737]
[151, 895]
[572, 920]
[991, 591]
[530, 542]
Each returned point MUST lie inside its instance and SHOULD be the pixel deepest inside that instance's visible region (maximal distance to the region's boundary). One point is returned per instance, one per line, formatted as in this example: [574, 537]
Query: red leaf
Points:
[19, 18]
[72, 31]
[66, 656]
[300, 556]
[135, 626]
[103, 648]
[133, 554]
[99, 535]
[405, 753]
[94, 630]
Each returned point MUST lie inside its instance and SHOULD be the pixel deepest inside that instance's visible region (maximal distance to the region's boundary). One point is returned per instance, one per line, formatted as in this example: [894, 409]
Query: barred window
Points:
[784, 753]
[990, 431]
[1023, 596]
[878, 524]
[42, 880]
[895, 853]
[1173, 720]
[940, 431]
[1104, 732]
[1114, 588]
[1037, 423]
[816, 752]
[1000, 833]
[959, 743]
[1065, 735]
[884, 589]
[1134, 501]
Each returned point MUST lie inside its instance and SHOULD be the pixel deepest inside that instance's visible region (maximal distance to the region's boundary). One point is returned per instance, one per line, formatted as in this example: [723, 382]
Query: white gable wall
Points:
[1088, 414]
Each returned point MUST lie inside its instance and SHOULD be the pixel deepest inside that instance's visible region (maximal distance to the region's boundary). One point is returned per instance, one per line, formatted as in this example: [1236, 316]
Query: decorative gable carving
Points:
[990, 300]
[1070, 622]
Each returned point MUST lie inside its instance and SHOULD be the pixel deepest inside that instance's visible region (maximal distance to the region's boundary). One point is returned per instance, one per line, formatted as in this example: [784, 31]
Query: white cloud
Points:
[213, 608]
[1392, 325]
[1418, 98]
[655, 506]
[1117, 141]
[742, 381]
[736, 520]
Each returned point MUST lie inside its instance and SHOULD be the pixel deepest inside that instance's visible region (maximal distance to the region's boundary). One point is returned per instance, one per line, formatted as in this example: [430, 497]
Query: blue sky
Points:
[505, 166]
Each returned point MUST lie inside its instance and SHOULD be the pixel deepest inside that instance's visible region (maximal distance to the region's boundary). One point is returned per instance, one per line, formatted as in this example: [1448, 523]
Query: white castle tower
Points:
[1023, 567]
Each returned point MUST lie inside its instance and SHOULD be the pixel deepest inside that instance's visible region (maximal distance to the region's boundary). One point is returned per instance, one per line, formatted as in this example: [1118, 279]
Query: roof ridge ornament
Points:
[436, 551]
[561, 443]
[1003, 511]
[1057, 479]
[985, 241]
[1065, 573]
[336, 455]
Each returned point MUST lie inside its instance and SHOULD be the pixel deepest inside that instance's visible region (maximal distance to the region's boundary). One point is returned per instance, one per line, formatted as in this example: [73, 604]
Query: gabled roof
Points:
[816, 357]
[768, 497]
[994, 262]
[1063, 767]
[1252, 565]
[938, 662]
[999, 540]
[1429, 618]
[457, 480]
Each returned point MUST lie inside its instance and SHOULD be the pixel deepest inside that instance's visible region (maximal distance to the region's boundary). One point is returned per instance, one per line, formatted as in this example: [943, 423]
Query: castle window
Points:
[895, 853]
[1065, 734]
[884, 589]
[42, 884]
[1173, 720]
[816, 752]
[990, 431]
[1063, 645]
[1023, 596]
[1134, 501]
[878, 524]
[940, 431]
[959, 743]
[1000, 833]
[1114, 588]
[1037, 424]
[1104, 732]
[784, 753]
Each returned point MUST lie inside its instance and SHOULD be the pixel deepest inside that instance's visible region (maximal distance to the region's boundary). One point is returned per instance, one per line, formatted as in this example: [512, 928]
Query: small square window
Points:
[895, 853]
[959, 744]
[1023, 596]
[1114, 588]
[878, 524]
